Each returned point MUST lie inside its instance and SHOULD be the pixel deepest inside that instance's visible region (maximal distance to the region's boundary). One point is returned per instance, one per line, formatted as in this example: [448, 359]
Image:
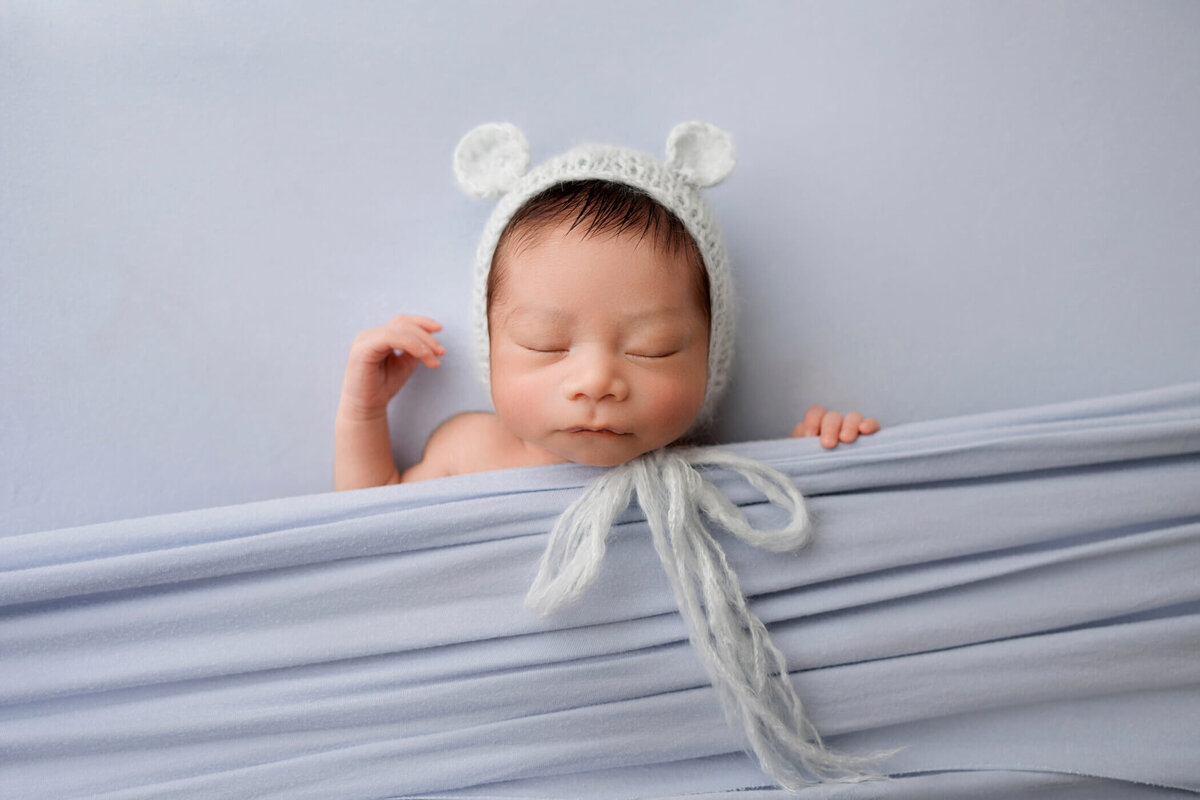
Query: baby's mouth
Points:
[599, 432]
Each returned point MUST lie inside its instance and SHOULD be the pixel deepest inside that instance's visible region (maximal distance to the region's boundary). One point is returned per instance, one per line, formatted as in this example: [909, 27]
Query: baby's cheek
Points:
[529, 387]
[519, 398]
[676, 404]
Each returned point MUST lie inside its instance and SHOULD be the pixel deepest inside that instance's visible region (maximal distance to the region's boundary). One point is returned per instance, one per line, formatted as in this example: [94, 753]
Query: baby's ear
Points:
[702, 153]
[491, 159]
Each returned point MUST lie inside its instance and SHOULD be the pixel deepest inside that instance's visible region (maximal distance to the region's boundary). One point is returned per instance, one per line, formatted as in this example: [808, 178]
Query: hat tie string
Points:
[747, 670]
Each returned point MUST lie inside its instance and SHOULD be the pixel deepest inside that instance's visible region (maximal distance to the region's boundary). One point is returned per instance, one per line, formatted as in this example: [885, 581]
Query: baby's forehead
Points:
[546, 314]
[607, 264]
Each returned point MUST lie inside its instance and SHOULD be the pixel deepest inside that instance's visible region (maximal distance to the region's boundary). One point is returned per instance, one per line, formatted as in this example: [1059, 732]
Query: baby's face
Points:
[599, 346]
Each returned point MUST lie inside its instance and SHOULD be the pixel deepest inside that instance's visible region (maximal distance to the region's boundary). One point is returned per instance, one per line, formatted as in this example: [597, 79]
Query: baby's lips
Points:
[590, 429]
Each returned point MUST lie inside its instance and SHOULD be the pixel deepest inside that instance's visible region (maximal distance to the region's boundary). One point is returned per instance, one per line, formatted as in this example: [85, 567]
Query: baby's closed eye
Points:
[653, 352]
[669, 343]
[544, 347]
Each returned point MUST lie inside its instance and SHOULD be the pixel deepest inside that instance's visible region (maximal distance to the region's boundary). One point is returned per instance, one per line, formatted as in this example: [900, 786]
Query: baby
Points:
[603, 322]
[603, 306]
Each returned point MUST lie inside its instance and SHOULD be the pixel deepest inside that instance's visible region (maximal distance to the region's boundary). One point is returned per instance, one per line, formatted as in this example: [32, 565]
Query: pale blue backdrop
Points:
[939, 208]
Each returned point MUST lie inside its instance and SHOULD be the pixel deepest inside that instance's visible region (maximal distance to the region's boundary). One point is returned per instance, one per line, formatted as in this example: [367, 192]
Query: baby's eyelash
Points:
[653, 355]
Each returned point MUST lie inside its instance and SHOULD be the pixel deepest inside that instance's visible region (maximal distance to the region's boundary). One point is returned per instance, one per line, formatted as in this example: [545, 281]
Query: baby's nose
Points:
[595, 377]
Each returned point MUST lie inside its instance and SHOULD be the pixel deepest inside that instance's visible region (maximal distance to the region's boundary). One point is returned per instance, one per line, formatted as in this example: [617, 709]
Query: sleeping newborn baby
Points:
[603, 316]
[603, 322]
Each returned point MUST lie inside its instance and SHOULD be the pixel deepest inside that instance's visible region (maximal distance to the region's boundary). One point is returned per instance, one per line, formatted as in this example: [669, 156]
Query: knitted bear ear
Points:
[702, 153]
[491, 159]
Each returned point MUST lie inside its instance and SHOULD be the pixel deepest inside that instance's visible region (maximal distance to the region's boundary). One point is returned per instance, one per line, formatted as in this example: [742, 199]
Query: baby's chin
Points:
[601, 456]
[605, 462]
[604, 457]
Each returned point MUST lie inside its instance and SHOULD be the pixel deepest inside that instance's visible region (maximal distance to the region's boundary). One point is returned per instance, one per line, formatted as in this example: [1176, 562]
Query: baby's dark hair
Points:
[599, 207]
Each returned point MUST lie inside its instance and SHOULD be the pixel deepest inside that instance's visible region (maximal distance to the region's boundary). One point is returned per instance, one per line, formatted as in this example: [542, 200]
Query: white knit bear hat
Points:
[493, 161]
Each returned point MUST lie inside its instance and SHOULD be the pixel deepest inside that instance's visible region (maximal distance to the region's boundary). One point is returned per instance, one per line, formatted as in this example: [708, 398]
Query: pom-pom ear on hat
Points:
[702, 153]
[491, 159]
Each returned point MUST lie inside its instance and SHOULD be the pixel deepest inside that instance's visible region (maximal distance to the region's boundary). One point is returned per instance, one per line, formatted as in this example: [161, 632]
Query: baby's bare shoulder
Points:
[474, 441]
[466, 427]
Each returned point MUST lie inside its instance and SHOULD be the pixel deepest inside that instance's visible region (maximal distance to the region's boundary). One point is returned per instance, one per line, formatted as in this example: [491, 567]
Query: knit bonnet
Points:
[493, 161]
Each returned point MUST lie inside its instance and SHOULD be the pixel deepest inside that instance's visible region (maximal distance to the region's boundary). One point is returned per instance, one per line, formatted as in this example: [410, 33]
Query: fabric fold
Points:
[998, 597]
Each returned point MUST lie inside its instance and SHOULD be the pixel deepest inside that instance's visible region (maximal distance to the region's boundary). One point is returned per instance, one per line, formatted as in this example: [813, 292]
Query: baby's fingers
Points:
[811, 424]
[850, 427]
[376, 346]
[426, 323]
[423, 348]
[413, 336]
[831, 426]
[854, 424]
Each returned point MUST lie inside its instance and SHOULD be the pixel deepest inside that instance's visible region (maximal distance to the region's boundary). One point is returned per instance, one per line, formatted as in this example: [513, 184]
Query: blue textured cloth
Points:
[1012, 598]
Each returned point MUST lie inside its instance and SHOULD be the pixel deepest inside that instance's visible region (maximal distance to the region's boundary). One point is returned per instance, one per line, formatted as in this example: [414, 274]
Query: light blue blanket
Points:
[1013, 599]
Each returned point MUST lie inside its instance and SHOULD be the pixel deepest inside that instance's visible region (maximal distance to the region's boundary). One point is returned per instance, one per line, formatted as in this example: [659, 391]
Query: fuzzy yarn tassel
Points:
[746, 668]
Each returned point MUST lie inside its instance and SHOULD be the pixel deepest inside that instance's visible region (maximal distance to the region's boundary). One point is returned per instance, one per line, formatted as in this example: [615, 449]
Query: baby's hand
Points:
[832, 427]
[382, 360]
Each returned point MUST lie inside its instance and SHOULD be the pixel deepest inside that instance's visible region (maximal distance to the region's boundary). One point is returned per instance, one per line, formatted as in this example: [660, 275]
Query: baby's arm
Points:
[381, 361]
[832, 427]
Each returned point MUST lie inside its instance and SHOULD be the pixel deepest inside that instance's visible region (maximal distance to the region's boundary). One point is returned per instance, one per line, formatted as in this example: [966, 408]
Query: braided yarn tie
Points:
[746, 668]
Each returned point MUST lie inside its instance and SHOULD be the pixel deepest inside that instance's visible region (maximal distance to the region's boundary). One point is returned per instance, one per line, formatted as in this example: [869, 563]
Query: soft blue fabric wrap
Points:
[1012, 598]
